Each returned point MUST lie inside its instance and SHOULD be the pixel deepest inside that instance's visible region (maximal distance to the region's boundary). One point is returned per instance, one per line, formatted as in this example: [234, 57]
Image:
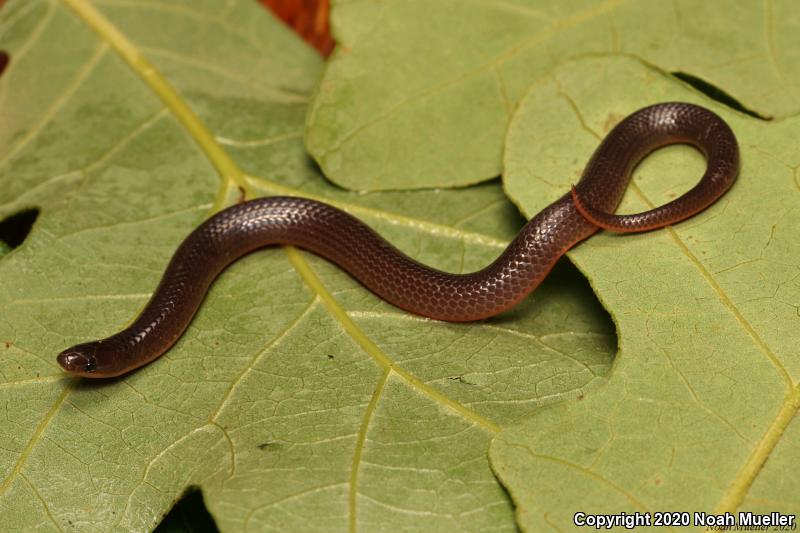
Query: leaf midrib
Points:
[230, 172]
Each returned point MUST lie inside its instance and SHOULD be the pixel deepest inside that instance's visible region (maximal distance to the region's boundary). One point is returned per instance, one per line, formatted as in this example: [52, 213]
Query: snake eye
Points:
[91, 365]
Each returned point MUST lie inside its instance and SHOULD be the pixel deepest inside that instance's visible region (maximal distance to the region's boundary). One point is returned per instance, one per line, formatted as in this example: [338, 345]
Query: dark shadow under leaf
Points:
[715, 93]
[15, 228]
[188, 515]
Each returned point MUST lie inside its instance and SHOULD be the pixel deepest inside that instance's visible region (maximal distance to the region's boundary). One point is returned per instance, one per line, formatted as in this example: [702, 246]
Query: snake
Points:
[397, 278]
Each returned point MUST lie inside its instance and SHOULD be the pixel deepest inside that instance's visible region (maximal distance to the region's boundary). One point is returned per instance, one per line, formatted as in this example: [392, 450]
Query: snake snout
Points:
[75, 361]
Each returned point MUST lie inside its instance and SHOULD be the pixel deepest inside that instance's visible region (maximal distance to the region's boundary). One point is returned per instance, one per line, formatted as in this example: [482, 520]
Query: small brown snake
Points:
[346, 241]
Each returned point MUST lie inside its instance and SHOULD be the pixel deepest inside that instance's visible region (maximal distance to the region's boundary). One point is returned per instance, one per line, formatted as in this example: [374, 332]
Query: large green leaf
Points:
[699, 412]
[411, 100]
[296, 400]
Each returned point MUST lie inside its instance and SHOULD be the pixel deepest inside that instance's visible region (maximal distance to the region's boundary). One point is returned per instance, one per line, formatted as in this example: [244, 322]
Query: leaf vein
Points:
[86, 69]
[358, 335]
[37, 434]
[359, 448]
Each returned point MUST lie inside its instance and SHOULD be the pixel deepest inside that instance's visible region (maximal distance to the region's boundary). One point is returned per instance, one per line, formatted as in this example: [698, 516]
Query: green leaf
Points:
[297, 399]
[411, 101]
[699, 412]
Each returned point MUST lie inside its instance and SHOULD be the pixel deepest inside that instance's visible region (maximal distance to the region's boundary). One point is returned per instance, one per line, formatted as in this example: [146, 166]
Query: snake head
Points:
[78, 360]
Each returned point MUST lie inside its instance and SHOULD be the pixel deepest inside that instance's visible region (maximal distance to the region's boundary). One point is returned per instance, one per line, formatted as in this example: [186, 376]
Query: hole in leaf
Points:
[715, 93]
[565, 308]
[189, 514]
[15, 228]
[4, 59]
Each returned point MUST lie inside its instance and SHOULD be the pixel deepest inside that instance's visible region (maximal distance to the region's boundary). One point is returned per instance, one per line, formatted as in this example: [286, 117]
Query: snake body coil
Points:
[343, 239]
